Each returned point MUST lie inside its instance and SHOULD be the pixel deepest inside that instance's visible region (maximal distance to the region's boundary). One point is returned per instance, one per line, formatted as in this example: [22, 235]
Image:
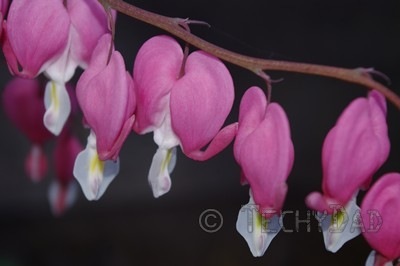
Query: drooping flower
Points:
[352, 152]
[380, 215]
[63, 190]
[106, 96]
[59, 37]
[107, 99]
[23, 105]
[35, 41]
[264, 150]
[184, 101]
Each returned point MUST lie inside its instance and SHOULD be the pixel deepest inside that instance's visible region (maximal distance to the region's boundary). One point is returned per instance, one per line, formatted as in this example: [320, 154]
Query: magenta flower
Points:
[34, 42]
[56, 41]
[184, 102]
[352, 152]
[105, 94]
[63, 191]
[44, 34]
[107, 99]
[29, 94]
[264, 150]
[380, 215]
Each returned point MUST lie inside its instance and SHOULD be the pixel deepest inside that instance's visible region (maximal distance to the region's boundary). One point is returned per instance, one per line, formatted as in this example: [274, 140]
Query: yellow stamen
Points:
[53, 95]
[96, 165]
[261, 222]
[338, 218]
[166, 160]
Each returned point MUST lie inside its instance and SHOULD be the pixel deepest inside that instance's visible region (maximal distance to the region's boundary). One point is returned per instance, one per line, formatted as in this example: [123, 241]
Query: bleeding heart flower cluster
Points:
[184, 99]
[29, 93]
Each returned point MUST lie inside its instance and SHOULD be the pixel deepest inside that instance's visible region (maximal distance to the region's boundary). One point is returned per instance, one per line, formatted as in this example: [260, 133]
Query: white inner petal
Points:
[162, 165]
[256, 229]
[164, 136]
[94, 175]
[58, 107]
[342, 226]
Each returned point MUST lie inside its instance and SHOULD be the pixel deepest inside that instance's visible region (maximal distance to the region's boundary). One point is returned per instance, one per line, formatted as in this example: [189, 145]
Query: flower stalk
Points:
[359, 76]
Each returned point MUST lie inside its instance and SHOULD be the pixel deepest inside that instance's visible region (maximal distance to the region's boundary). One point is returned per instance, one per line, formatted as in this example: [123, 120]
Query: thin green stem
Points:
[257, 65]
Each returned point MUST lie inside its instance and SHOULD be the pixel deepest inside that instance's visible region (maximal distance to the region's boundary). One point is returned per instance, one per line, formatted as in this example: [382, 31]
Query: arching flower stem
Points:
[257, 65]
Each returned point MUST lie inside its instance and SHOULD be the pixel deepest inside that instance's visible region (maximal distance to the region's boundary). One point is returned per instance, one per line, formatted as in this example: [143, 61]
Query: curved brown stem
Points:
[256, 65]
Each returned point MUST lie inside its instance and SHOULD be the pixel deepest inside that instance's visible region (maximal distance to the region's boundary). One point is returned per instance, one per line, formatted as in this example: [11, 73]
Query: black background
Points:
[127, 226]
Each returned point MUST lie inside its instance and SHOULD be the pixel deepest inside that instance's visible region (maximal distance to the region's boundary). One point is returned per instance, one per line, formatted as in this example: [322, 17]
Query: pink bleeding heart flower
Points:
[41, 33]
[63, 190]
[380, 215]
[82, 41]
[264, 150]
[106, 96]
[352, 152]
[37, 34]
[184, 102]
[29, 94]
[57, 40]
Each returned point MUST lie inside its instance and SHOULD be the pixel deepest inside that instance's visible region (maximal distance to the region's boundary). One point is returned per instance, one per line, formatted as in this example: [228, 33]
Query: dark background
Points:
[127, 226]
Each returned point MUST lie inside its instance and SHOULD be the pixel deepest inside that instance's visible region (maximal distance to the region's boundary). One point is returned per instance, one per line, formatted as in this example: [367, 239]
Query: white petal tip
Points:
[255, 229]
[341, 227]
[161, 187]
[94, 175]
[58, 107]
[163, 163]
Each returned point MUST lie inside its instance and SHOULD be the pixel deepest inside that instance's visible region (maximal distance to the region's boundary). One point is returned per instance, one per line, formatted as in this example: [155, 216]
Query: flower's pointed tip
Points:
[62, 197]
[256, 229]
[341, 227]
[58, 107]
[36, 164]
[162, 187]
[163, 163]
[94, 175]
[335, 242]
